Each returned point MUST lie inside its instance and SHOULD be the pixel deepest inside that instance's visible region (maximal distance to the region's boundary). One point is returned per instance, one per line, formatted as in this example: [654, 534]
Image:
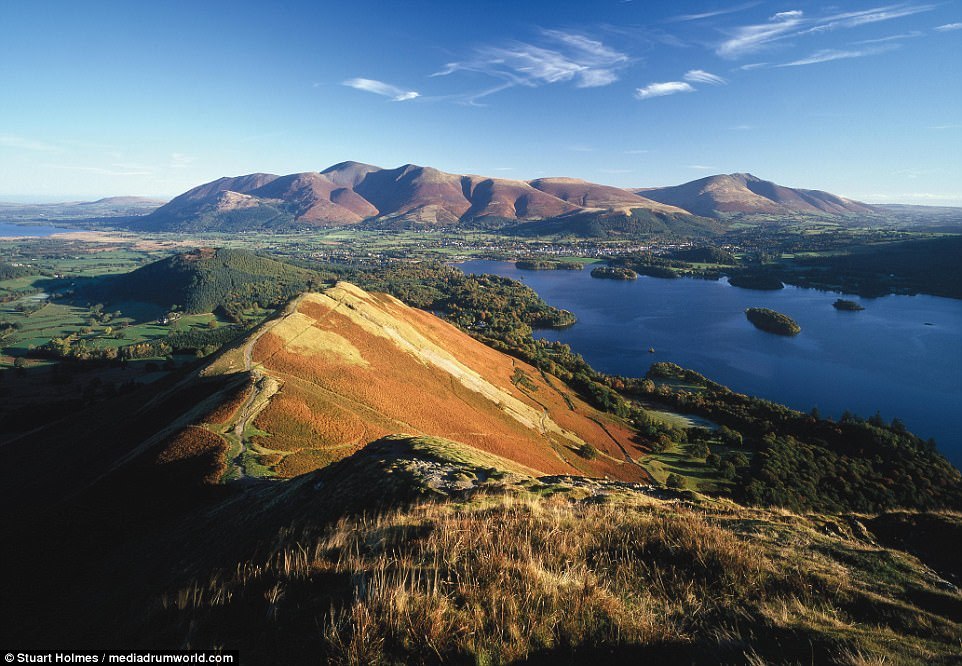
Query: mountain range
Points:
[352, 193]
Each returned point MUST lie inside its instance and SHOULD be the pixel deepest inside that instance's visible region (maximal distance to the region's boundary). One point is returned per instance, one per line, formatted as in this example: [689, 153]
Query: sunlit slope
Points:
[354, 367]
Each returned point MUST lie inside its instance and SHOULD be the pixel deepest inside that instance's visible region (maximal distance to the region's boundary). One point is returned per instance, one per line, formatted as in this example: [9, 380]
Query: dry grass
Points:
[516, 578]
[357, 366]
[224, 412]
[306, 461]
[196, 453]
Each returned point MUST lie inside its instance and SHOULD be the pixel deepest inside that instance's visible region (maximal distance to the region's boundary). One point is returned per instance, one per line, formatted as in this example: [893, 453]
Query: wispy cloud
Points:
[636, 151]
[663, 89]
[892, 38]
[132, 166]
[751, 38]
[876, 15]
[702, 167]
[701, 76]
[948, 27]
[181, 160]
[562, 57]
[22, 143]
[945, 127]
[100, 170]
[914, 174]
[748, 39]
[711, 14]
[380, 88]
[828, 55]
[261, 136]
[741, 128]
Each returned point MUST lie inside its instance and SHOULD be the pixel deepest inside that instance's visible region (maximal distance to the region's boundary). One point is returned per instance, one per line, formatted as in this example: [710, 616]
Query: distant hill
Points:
[931, 218]
[125, 201]
[619, 223]
[109, 208]
[351, 193]
[203, 281]
[725, 194]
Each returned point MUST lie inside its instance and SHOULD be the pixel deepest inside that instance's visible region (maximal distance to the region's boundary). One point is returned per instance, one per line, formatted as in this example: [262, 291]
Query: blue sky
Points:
[110, 98]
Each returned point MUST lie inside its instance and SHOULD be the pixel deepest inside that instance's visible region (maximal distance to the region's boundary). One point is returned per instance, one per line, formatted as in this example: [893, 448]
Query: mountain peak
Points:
[745, 193]
[349, 174]
[353, 192]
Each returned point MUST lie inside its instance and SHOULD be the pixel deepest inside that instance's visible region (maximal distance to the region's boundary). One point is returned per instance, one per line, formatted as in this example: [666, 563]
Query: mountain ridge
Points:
[350, 193]
[718, 195]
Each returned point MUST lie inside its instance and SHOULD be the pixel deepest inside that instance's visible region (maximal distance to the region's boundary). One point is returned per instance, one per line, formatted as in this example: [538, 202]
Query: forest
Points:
[869, 269]
[772, 321]
[613, 273]
[805, 462]
[206, 280]
[547, 265]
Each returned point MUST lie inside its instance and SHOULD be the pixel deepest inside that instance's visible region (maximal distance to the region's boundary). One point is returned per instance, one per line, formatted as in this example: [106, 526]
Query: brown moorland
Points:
[354, 367]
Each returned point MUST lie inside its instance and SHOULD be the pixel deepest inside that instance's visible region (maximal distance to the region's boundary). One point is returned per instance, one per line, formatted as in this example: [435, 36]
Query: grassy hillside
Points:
[638, 223]
[355, 366]
[633, 579]
[421, 550]
[261, 216]
[204, 280]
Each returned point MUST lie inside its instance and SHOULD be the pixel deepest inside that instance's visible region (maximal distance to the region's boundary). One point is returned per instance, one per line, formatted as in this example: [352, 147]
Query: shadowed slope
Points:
[591, 195]
[312, 197]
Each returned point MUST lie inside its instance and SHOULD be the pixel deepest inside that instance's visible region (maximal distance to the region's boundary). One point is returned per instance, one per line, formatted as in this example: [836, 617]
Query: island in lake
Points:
[546, 265]
[613, 273]
[759, 281]
[772, 321]
[848, 306]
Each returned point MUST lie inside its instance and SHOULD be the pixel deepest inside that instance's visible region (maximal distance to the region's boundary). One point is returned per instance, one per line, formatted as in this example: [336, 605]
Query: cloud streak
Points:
[828, 55]
[563, 57]
[664, 89]
[751, 38]
[701, 76]
[100, 170]
[22, 143]
[892, 38]
[181, 160]
[384, 89]
[948, 27]
[712, 14]
[748, 39]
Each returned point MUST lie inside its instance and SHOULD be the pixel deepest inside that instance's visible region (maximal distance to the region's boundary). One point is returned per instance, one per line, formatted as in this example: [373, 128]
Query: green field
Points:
[695, 472]
[137, 323]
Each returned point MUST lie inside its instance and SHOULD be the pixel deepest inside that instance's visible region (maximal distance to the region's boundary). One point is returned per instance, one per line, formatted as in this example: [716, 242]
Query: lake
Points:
[7, 230]
[901, 356]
